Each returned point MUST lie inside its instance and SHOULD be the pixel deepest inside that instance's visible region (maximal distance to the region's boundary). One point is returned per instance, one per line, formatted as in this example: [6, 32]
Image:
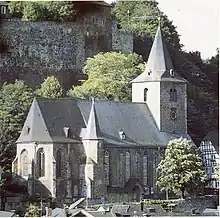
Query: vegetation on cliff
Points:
[43, 10]
[50, 88]
[109, 75]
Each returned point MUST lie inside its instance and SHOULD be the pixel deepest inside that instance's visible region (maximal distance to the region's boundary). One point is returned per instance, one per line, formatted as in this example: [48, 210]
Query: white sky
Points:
[197, 23]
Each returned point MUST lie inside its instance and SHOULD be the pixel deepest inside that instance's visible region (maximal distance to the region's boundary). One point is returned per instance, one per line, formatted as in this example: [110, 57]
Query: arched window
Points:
[127, 166]
[58, 164]
[41, 162]
[3, 9]
[145, 94]
[24, 163]
[121, 170]
[174, 95]
[171, 94]
[106, 162]
[145, 165]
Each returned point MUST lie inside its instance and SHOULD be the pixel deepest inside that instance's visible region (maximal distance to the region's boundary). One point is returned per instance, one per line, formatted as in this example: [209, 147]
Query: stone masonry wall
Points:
[35, 50]
[180, 124]
[121, 40]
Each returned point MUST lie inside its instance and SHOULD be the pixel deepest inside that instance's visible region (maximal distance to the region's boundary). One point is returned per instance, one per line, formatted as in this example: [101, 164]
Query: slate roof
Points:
[6, 214]
[93, 130]
[159, 63]
[47, 118]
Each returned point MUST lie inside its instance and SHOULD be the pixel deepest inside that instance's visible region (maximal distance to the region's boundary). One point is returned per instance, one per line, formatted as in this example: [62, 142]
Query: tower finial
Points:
[93, 100]
[159, 20]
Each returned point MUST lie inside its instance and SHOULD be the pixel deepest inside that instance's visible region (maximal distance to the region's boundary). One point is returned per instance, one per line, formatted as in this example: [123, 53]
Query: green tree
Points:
[182, 168]
[141, 17]
[34, 210]
[33, 11]
[15, 100]
[50, 88]
[43, 10]
[109, 76]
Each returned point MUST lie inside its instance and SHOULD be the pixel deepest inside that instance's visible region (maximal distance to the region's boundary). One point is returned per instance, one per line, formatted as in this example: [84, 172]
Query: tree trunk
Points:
[167, 192]
[183, 192]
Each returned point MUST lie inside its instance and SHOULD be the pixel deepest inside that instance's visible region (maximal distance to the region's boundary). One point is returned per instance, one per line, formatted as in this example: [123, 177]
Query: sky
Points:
[197, 23]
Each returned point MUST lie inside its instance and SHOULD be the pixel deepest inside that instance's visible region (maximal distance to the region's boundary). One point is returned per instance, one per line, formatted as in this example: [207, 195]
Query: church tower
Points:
[163, 89]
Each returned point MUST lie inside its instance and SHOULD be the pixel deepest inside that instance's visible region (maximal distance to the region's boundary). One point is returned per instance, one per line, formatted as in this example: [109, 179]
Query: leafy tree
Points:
[50, 88]
[109, 76]
[141, 17]
[182, 168]
[15, 100]
[43, 10]
[16, 8]
[34, 11]
[34, 210]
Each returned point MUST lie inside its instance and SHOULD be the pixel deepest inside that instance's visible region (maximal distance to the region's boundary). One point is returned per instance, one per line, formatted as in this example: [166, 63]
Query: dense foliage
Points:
[181, 169]
[141, 17]
[50, 88]
[34, 210]
[15, 100]
[43, 10]
[109, 76]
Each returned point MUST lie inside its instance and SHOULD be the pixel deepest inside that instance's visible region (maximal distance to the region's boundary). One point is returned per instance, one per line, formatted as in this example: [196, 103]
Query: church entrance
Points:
[137, 193]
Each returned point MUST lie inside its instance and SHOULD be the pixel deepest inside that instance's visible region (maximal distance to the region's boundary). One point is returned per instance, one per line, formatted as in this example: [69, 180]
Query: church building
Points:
[105, 149]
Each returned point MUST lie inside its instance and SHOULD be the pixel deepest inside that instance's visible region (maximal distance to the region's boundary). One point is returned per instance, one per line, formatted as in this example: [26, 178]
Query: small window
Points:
[26, 130]
[3, 9]
[173, 95]
[171, 72]
[122, 135]
[66, 131]
[145, 94]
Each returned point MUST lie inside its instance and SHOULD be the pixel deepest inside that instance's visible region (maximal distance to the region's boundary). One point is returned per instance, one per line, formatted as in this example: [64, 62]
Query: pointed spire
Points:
[159, 62]
[93, 130]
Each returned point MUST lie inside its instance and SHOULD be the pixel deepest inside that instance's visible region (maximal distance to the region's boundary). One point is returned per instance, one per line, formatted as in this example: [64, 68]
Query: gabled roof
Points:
[48, 117]
[213, 136]
[159, 63]
[92, 130]
[34, 127]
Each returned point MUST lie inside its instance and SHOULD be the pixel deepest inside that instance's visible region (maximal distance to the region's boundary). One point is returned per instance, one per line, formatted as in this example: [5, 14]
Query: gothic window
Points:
[134, 165]
[145, 94]
[41, 162]
[145, 169]
[82, 171]
[106, 162]
[121, 170]
[75, 191]
[24, 163]
[58, 164]
[127, 166]
[173, 95]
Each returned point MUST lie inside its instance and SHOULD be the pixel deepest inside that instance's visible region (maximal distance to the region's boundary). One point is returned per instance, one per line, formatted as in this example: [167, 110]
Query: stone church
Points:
[105, 149]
